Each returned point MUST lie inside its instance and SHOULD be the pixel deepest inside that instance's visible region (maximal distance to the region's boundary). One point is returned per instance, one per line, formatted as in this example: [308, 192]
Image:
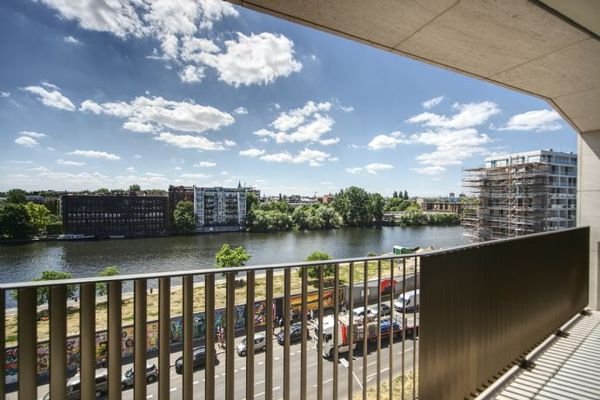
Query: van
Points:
[408, 301]
[74, 385]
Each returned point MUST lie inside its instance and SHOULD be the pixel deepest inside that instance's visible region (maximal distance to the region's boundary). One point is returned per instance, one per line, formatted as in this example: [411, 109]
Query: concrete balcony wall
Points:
[588, 204]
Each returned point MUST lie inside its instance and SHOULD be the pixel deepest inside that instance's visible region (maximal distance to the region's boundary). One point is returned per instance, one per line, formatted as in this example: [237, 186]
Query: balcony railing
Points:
[485, 305]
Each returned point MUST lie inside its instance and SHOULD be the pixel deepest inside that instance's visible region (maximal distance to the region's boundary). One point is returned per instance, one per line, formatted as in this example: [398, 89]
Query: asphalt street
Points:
[295, 372]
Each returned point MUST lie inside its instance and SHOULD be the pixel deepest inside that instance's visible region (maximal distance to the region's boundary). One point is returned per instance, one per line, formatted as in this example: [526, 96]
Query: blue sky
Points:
[206, 93]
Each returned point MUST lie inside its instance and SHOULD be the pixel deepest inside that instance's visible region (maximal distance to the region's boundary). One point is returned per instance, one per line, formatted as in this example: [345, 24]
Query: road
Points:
[295, 376]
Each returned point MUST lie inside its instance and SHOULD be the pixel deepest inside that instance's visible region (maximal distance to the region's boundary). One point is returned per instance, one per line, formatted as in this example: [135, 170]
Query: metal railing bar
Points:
[336, 310]
[164, 337]
[87, 339]
[320, 340]
[350, 329]
[303, 346]
[230, 337]
[250, 335]
[270, 329]
[27, 336]
[391, 338]
[201, 272]
[209, 306]
[188, 337]
[378, 389]
[58, 345]
[403, 324]
[286, 330]
[365, 330]
[140, 339]
[114, 340]
[414, 331]
[2, 343]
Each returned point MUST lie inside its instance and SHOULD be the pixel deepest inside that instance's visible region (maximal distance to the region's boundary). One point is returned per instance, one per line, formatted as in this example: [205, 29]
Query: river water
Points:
[26, 262]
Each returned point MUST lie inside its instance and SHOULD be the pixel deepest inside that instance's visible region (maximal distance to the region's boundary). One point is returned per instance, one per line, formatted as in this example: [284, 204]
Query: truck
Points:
[365, 325]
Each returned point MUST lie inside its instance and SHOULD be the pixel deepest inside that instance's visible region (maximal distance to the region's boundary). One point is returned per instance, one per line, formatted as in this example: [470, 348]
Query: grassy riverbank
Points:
[220, 297]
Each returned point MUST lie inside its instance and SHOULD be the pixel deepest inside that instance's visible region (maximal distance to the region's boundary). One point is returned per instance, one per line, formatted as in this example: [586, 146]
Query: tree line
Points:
[20, 219]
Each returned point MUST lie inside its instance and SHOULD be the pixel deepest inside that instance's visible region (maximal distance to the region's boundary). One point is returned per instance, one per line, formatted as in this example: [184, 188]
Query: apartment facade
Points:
[219, 208]
[522, 193]
[114, 215]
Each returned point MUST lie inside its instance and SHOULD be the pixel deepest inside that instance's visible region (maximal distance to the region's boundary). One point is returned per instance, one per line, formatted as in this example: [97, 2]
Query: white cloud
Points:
[60, 161]
[19, 161]
[94, 154]
[205, 164]
[328, 142]
[50, 148]
[194, 176]
[145, 114]
[372, 168]
[192, 74]
[538, 121]
[137, 156]
[433, 170]
[154, 174]
[229, 143]
[240, 111]
[429, 104]
[254, 59]
[252, 153]
[468, 115]
[4, 94]
[130, 169]
[26, 141]
[51, 98]
[71, 40]
[386, 141]
[189, 142]
[33, 134]
[306, 124]
[293, 118]
[314, 158]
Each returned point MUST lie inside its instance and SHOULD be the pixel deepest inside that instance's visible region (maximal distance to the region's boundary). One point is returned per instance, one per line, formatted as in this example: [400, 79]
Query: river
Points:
[26, 262]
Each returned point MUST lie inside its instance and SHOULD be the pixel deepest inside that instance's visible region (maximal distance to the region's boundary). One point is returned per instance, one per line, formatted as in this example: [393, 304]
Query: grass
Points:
[220, 297]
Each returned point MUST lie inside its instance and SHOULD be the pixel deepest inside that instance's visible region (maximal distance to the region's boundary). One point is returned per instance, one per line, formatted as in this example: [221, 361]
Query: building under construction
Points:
[520, 194]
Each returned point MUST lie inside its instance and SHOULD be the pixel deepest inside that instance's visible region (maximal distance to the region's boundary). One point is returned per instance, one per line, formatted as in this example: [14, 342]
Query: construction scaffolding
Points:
[509, 200]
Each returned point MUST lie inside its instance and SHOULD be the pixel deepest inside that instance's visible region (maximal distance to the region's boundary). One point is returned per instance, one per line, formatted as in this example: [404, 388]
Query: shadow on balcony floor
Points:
[569, 369]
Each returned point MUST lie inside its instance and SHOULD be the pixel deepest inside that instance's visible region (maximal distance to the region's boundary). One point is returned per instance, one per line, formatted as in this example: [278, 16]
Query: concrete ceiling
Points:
[549, 52]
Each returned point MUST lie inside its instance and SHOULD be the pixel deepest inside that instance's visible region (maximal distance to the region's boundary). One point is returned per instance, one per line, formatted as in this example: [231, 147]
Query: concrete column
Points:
[588, 203]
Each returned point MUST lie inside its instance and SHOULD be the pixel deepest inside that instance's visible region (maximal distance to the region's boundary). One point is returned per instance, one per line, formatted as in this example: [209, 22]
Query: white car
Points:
[260, 344]
[408, 301]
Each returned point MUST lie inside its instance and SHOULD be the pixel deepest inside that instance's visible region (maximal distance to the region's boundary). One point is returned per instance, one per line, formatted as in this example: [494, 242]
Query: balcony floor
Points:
[568, 369]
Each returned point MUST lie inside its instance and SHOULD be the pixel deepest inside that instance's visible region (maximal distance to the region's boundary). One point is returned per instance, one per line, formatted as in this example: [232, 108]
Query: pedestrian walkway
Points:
[569, 369]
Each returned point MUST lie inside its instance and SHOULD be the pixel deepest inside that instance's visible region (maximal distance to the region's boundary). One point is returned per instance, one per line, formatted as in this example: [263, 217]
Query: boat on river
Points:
[75, 236]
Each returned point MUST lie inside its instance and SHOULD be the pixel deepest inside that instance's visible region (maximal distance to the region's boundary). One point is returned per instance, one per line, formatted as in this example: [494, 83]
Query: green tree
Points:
[376, 205]
[395, 195]
[405, 195]
[229, 257]
[328, 217]
[40, 216]
[101, 288]
[353, 205]
[43, 293]
[313, 271]
[15, 221]
[251, 201]
[16, 196]
[184, 218]
[134, 188]
[102, 191]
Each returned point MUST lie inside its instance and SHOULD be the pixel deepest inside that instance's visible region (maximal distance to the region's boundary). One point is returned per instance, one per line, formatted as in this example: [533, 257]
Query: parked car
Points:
[198, 357]
[385, 309]
[408, 301]
[295, 334]
[260, 344]
[151, 376]
[74, 386]
[360, 312]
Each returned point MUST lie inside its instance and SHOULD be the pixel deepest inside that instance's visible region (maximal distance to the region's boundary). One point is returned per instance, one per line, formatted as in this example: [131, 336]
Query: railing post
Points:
[164, 337]
[269, 353]
[58, 341]
[230, 337]
[188, 339]
[115, 299]
[140, 339]
[303, 346]
[250, 335]
[209, 310]
[286, 330]
[27, 312]
[2, 344]
[87, 339]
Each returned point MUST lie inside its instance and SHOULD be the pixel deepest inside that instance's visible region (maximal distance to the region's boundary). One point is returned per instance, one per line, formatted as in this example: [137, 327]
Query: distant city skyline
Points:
[212, 94]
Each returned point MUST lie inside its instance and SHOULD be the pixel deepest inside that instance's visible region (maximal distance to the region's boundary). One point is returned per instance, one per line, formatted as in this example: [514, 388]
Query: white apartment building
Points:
[219, 207]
